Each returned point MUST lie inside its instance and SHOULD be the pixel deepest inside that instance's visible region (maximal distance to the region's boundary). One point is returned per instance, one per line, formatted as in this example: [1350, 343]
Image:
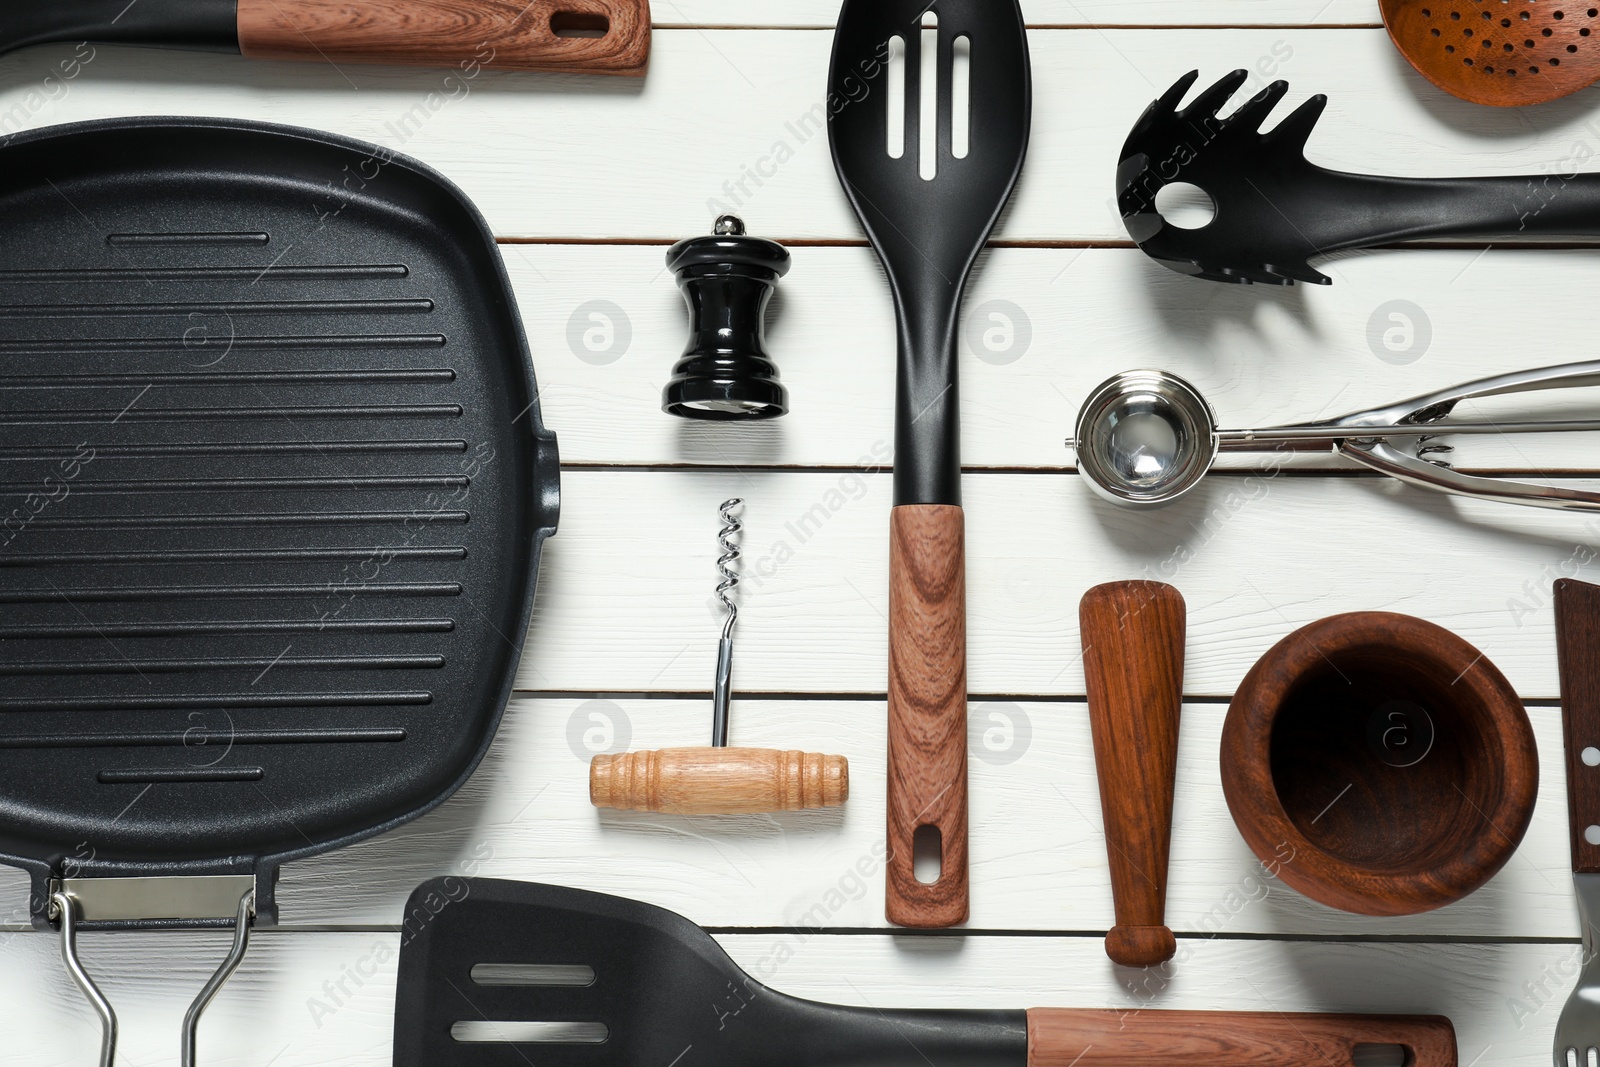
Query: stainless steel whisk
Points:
[731, 526]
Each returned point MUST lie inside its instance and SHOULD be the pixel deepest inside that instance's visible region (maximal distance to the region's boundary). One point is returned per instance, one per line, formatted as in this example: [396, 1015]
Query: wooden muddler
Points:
[718, 781]
[1133, 634]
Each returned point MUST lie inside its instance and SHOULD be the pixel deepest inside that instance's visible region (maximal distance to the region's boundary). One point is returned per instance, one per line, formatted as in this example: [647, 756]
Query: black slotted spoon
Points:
[928, 232]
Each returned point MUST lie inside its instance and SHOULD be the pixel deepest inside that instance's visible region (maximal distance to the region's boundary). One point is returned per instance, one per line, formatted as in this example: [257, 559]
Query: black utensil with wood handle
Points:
[1133, 635]
[503, 974]
[573, 36]
[928, 200]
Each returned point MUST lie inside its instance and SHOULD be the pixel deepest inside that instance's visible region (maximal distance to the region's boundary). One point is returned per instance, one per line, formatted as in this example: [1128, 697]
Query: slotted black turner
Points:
[512, 974]
[928, 225]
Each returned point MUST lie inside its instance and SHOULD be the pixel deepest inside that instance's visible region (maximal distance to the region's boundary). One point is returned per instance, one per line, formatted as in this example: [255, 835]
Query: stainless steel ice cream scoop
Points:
[1146, 437]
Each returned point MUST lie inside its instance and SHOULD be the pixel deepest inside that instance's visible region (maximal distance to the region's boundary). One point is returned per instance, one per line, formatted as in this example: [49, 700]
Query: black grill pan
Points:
[273, 487]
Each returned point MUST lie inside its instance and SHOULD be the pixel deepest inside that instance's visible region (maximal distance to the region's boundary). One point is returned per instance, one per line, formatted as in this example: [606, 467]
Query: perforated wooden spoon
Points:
[1504, 53]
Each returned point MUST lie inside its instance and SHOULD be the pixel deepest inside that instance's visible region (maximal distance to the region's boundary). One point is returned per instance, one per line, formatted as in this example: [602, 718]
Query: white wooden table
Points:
[587, 181]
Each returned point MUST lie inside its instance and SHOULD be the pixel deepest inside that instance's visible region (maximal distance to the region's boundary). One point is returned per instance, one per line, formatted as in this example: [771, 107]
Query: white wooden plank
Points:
[1100, 13]
[624, 603]
[1043, 328]
[278, 1009]
[1038, 856]
[573, 157]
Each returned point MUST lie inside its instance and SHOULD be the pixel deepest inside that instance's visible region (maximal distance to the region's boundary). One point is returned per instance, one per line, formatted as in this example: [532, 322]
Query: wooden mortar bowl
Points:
[1379, 764]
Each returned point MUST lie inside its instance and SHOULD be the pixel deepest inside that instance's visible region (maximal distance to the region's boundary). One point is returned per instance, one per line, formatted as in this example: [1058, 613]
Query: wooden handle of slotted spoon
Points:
[1062, 1037]
[927, 712]
[718, 781]
[1133, 635]
[575, 36]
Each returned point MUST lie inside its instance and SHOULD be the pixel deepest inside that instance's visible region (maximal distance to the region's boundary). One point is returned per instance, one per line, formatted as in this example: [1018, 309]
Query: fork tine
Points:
[1301, 272]
[1245, 275]
[1161, 109]
[1280, 275]
[1294, 131]
[1253, 112]
[1210, 100]
[1168, 102]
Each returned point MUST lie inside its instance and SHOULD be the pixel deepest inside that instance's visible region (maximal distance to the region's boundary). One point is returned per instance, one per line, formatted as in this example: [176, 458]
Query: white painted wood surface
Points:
[1046, 326]
[1088, 13]
[1255, 558]
[624, 634]
[560, 156]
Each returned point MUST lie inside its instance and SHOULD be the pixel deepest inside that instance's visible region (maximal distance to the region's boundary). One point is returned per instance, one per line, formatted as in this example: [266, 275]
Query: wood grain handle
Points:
[1133, 634]
[927, 712]
[718, 781]
[574, 36]
[1059, 1037]
[1578, 654]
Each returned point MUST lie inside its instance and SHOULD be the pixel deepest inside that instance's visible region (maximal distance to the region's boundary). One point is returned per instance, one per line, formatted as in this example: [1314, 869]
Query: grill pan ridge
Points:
[273, 490]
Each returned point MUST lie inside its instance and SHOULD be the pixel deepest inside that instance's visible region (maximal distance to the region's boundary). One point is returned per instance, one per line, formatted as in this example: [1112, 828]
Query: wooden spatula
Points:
[1501, 54]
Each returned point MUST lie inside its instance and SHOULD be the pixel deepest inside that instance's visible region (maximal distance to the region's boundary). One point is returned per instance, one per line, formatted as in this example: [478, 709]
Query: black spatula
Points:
[508, 974]
[928, 212]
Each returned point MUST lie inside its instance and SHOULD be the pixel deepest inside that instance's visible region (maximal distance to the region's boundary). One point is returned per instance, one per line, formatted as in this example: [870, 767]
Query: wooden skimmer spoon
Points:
[1504, 53]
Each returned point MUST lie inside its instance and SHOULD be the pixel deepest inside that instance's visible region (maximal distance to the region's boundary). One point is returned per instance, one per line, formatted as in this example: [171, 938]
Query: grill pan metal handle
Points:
[67, 908]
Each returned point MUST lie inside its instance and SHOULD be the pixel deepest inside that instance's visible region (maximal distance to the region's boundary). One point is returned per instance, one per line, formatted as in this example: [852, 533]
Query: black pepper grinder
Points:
[725, 373]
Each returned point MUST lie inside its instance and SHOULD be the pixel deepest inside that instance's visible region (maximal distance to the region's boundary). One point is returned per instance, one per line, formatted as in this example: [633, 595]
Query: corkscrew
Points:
[720, 780]
[731, 526]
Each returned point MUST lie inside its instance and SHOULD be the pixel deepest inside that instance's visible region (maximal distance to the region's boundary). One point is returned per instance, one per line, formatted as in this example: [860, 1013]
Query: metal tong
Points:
[1147, 437]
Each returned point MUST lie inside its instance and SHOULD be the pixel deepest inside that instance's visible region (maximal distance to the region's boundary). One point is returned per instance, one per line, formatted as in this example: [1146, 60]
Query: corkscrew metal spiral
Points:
[731, 525]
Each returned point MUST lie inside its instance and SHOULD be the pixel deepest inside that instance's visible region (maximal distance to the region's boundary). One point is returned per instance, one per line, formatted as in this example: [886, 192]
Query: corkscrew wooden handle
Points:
[718, 781]
[927, 712]
[1133, 634]
[574, 36]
